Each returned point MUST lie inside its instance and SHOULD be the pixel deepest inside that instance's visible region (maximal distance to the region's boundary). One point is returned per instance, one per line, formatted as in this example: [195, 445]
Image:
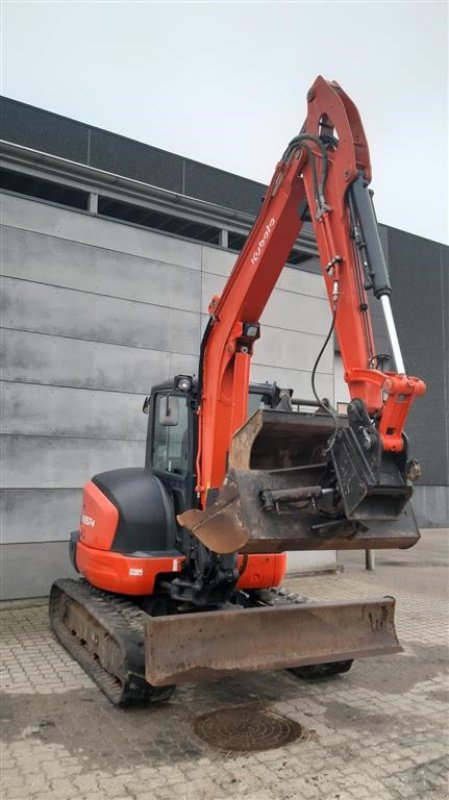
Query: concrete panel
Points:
[218, 262]
[287, 310]
[341, 391]
[34, 410]
[80, 226]
[293, 379]
[431, 506]
[297, 280]
[47, 259]
[297, 312]
[210, 284]
[292, 350]
[315, 561]
[311, 263]
[266, 359]
[291, 279]
[288, 376]
[66, 312]
[28, 570]
[36, 515]
[53, 360]
[182, 364]
[204, 320]
[45, 462]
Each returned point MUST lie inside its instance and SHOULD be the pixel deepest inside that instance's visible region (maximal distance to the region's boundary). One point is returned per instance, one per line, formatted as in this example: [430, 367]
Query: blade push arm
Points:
[327, 169]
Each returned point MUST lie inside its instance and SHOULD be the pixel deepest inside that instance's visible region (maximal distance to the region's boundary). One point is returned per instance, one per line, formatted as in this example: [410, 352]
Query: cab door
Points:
[170, 448]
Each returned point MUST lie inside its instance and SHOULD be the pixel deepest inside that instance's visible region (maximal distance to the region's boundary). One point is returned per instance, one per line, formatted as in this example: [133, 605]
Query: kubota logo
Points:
[262, 242]
[88, 521]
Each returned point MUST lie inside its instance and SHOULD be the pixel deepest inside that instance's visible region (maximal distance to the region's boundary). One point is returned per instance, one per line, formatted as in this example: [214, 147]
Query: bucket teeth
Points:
[219, 528]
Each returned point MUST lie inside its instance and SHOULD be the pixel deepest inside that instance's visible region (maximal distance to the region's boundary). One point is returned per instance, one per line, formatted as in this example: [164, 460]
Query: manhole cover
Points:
[246, 728]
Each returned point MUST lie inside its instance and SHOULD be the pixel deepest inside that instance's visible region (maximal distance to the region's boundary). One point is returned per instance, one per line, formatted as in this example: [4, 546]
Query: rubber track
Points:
[279, 597]
[123, 622]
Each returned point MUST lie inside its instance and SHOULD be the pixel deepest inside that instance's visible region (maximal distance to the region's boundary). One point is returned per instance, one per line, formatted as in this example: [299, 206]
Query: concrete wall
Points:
[94, 312]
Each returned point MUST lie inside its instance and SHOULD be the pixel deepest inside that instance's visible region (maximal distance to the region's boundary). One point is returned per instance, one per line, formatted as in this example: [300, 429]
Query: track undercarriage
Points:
[121, 647]
[104, 632]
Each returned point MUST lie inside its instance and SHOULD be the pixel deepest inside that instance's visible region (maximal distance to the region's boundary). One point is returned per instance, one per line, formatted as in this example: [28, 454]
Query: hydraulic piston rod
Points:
[374, 261]
[392, 333]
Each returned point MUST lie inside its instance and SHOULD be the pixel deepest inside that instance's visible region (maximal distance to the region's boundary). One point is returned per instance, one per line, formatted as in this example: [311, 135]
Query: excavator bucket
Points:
[268, 500]
[186, 648]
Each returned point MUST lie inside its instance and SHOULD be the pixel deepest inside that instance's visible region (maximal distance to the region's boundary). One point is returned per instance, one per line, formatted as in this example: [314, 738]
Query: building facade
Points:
[110, 253]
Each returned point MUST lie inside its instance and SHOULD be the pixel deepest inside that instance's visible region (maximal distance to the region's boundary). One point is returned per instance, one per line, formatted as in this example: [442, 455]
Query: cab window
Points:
[170, 434]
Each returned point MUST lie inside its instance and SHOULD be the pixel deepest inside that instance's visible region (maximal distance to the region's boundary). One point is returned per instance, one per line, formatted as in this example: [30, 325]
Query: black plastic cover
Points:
[146, 516]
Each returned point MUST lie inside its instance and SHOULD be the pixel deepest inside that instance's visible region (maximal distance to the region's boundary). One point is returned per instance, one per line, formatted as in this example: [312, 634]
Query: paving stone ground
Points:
[381, 731]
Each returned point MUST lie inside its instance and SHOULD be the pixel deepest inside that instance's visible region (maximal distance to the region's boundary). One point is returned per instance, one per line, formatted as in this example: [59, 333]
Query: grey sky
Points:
[225, 83]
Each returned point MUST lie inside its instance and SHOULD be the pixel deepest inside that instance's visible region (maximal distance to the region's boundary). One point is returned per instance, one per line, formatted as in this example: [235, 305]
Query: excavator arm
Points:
[324, 175]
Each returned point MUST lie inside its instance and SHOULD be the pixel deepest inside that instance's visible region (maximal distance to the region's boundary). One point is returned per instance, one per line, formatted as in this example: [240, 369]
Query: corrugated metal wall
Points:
[419, 271]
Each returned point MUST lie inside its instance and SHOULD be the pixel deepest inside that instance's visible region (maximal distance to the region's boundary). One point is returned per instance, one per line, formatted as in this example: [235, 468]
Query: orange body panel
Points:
[118, 572]
[99, 519]
[262, 571]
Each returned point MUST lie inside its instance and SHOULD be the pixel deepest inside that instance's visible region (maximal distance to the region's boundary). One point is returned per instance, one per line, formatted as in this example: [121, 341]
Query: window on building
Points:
[140, 215]
[236, 242]
[32, 186]
[297, 257]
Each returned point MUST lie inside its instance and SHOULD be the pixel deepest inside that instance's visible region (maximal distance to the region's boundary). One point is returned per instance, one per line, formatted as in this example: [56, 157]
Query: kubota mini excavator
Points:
[181, 559]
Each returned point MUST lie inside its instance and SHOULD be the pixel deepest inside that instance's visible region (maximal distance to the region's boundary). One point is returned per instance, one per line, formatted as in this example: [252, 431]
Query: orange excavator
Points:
[182, 560]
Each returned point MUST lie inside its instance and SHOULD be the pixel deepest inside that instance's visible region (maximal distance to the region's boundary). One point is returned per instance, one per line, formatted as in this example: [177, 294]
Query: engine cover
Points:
[127, 511]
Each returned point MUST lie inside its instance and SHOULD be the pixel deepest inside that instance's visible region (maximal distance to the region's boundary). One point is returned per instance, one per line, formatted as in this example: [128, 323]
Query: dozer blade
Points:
[186, 648]
[279, 455]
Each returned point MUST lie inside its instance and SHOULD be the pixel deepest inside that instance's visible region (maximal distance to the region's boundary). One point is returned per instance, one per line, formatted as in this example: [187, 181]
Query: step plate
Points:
[187, 648]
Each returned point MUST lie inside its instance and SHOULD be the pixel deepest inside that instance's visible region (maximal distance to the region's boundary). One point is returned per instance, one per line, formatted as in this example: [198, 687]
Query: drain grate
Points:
[246, 729]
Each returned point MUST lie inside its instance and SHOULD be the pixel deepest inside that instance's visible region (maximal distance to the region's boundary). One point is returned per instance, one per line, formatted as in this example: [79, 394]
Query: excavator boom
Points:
[360, 463]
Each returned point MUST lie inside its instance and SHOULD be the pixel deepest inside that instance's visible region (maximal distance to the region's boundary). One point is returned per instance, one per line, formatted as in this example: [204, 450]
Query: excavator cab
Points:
[172, 432]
